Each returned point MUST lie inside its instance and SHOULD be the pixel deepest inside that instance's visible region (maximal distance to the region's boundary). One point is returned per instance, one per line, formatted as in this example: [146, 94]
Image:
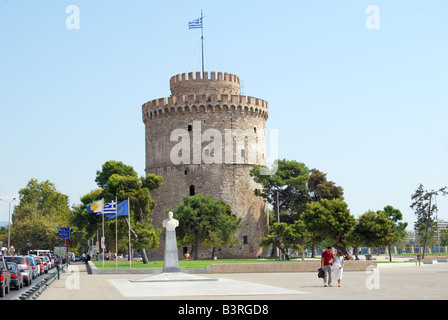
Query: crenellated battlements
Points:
[214, 76]
[206, 103]
[213, 82]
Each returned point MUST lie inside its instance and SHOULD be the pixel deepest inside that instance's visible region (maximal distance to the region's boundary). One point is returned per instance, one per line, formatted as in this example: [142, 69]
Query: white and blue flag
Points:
[110, 208]
[195, 24]
[96, 207]
[122, 210]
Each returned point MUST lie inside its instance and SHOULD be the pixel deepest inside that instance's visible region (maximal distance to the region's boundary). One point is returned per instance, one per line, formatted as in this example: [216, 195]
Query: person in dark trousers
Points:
[326, 261]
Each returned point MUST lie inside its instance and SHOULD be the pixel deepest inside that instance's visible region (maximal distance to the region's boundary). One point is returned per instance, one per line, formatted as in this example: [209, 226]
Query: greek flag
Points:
[122, 210]
[110, 208]
[195, 24]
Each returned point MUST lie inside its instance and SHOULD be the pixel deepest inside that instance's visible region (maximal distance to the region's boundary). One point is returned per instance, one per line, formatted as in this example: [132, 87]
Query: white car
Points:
[48, 261]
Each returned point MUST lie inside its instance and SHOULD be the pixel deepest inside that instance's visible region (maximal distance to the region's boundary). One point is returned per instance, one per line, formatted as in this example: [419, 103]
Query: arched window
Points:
[192, 192]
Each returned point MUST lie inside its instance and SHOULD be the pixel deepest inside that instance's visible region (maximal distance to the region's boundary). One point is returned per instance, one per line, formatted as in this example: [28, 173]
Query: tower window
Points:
[255, 129]
[245, 241]
[206, 152]
[190, 128]
[192, 191]
[243, 153]
[185, 172]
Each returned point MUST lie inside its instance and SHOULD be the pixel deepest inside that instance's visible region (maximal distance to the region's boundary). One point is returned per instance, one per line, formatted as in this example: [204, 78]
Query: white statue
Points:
[171, 259]
[170, 224]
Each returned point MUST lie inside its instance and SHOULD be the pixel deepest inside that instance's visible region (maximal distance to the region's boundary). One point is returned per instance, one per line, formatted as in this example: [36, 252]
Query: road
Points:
[15, 294]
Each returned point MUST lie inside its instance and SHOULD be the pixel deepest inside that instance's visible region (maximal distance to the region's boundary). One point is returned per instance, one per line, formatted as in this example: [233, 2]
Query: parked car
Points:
[24, 267]
[40, 264]
[57, 259]
[16, 275]
[45, 263]
[50, 257]
[5, 277]
[34, 266]
[47, 260]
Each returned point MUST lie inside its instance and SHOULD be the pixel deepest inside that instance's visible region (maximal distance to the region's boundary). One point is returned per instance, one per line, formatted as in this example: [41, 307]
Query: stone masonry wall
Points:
[208, 137]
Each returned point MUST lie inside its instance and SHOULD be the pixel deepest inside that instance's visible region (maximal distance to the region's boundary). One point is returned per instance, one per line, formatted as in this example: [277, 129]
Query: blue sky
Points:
[368, 107]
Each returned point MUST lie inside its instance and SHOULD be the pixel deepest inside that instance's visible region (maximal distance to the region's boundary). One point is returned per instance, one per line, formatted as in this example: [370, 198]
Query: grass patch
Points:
[186, 264]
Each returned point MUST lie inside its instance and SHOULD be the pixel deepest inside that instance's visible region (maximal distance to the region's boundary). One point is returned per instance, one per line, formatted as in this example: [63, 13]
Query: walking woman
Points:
[338, 267]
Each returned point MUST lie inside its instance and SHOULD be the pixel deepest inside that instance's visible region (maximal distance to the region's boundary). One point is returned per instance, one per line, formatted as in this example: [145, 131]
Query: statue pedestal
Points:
[171, 260]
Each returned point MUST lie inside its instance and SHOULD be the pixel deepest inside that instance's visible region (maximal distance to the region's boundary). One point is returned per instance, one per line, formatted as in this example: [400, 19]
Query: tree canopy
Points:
[329, 220]
[375, 229]
[41, 211]
[203, 220]
[425, 208]
[119, 181]
[290, 181]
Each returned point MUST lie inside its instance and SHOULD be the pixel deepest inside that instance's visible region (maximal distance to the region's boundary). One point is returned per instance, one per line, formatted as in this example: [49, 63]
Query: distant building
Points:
[443, 224]
[411, 235]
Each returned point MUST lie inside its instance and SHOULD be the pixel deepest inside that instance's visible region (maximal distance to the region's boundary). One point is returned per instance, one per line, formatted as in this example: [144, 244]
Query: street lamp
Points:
[9, 222]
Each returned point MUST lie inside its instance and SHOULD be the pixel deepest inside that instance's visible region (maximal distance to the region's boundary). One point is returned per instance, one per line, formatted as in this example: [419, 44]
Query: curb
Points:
[40, 287]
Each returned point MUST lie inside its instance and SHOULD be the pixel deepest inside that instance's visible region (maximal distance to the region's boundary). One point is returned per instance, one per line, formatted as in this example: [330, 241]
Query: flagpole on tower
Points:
[196, 24]
[202, 38]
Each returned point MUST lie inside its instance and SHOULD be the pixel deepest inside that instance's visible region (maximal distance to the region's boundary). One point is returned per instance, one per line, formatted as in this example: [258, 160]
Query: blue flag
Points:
[122, 210]
[195, 24]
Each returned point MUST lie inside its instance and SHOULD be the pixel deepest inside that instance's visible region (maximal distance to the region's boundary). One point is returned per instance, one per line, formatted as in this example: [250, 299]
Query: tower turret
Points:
[205, 138]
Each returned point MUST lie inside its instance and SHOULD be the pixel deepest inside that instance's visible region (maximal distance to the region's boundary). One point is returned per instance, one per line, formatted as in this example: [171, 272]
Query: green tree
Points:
[41, 211]
[203, 220]
[285, 236]
[400, 233]
[289, 183]
[119, 181]
[375, 230]
[425, 209]
[444, 237]
[320, 188]
[110, 168]
[329, 220]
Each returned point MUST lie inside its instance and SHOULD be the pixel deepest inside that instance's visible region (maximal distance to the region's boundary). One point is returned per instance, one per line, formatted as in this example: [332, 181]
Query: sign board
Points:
[62, 251]
[64, 234]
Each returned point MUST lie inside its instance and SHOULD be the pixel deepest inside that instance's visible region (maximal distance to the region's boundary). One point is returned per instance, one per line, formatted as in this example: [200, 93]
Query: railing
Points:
[37, 289]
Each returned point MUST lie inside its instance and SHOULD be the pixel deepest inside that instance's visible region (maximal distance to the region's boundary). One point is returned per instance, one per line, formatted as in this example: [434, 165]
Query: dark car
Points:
[16, 275]
[5, 277]
[57, 259]
[24, 266]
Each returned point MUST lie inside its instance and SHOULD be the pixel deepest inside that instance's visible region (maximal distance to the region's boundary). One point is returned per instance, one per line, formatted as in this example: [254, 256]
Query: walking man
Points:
[326, 261]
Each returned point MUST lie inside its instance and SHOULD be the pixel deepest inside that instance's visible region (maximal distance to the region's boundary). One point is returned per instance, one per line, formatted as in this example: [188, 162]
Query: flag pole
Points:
[202, 38]
[102, 238]
[116, 236]
[129, 231]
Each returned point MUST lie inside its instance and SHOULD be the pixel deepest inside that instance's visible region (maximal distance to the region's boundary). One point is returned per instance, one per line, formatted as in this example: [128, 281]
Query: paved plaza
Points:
[393, 282]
